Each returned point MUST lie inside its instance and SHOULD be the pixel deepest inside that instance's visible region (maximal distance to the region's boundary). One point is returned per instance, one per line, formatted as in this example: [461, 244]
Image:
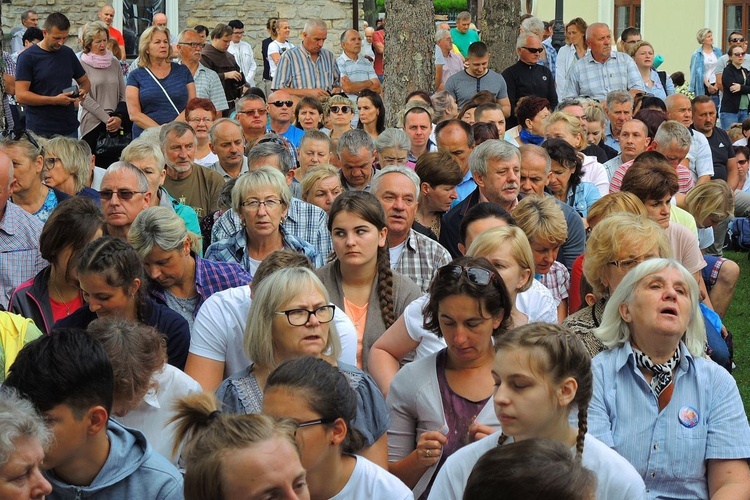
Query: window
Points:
[136, 17]
[736, 18]
[627, 13]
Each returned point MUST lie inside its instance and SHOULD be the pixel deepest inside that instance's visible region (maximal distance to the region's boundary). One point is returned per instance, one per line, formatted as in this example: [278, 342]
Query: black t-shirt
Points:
[721, 152]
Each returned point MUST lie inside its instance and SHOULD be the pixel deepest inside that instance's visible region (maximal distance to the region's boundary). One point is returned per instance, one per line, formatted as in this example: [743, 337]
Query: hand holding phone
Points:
[72, 92]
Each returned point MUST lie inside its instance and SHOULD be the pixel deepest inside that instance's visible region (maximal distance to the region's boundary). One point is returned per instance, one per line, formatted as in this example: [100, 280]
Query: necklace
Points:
[62, 299]
[355, 313]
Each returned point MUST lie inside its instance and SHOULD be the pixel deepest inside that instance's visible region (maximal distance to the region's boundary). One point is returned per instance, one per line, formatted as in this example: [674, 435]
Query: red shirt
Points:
[117, 35]
[378, 37]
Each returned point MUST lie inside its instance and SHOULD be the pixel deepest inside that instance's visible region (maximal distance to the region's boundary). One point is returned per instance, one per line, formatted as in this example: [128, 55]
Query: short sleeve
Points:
[229, 397]
[439, 57]
[208, 337]
[502, 92]
[372, 419]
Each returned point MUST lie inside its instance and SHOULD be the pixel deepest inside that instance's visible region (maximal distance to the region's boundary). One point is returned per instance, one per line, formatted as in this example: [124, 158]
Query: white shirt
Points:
[699, 154]
[595, 173]
[152, 414]
[219, 329]
[370, 481]
[243, 54]
[276, 48]
[207, 160]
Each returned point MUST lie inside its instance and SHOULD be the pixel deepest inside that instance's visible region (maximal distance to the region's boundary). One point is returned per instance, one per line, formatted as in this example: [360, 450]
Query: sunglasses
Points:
[193, 45]
[738, 54]
[18, 134]
[123, 194]
[736, 40]
[534, 50]
[341, 109]
[253, 112]
[476, 275]
[280, 104]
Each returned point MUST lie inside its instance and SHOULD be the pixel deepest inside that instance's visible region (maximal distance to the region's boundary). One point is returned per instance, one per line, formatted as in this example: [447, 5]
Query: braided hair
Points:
[367, 207]
[564, 356]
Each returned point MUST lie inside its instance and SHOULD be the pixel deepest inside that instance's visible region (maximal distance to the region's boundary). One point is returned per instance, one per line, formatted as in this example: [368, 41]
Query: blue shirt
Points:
[152, 98]
[465, 188]
[590, 78]
[669, 455]
[609, 138]
[584, 195]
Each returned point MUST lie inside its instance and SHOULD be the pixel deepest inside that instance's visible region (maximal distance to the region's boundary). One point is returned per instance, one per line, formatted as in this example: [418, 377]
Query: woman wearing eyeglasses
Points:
[200, 114]
[443, 402]
[67, 167]
[261, 199]
[339, 115]
[29, 193]
[290, 317]
[319, 399]
[735, 81]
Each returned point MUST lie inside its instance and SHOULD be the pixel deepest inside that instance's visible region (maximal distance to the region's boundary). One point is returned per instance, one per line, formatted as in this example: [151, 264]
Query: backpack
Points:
[738, 234]
[663, 78]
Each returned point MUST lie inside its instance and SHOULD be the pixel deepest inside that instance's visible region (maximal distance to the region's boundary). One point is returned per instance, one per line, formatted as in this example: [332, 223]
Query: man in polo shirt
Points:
[228, 144]
[357, 73]
[309, 69]
[476, 77]
[462, 35]
[107, 15]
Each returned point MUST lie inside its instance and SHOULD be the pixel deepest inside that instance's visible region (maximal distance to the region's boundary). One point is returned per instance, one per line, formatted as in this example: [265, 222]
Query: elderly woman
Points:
[643, 55]
[289, 318]
[147, 155]
[393, 147]
[654, 382]
[444, 105]
[440, 403]
[439, 174]
[178, 277]
[158, 90]
[564, 179]
[200, 114]
[531, 113]
[104, 109]
[339, 113]
[28, 191]
[703, 66]
[321, 185]
[371, 113]
[67, 167]
[261, 199]
[308, 114]
[23, 439]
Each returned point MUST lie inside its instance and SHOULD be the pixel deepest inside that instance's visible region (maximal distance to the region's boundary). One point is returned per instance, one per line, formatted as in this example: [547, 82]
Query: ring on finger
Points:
[428, 453]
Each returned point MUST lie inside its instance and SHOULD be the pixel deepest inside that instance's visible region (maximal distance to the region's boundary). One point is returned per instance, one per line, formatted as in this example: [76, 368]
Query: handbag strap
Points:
[162, 89]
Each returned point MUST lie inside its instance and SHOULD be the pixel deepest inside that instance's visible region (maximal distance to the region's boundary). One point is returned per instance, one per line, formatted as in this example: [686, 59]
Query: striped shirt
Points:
[208, 86]
[557, 281]
[360, 70]
[20, 259]
[704, 420]
[684, 177]
[590, 78]
[420, 259]
[297, 70]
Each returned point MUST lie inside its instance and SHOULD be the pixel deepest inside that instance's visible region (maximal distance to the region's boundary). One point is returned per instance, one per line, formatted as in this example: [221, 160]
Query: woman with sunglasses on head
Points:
[320, 400]
[290, 317]
[359, 278]
[734, 81]
[110, 274]
[443, 402]
[28, 192]
[339, 115]
[200, 114]
[54, 293]
[371, 113]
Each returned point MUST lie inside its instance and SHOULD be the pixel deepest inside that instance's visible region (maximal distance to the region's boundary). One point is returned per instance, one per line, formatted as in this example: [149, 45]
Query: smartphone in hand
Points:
[72, 91]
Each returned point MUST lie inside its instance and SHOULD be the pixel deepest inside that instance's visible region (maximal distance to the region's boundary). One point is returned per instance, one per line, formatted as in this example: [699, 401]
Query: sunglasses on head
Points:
[18, 134]
[123, 194]
[280, 104]
[342, 109]
[476, 275]
[534, 50]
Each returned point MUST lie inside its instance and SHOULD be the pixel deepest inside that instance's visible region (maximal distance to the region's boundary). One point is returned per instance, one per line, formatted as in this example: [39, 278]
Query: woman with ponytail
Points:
[319, 399]
[359, 278]
[542, 374]
[222, 448]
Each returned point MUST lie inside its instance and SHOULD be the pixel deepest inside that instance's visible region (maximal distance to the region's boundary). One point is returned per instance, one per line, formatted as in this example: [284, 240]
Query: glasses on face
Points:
[253, 112]
[123, 194]
[310, 423]
[476, 275]
[18, 134]
[742, 162]
[200, 120]
[254, 205]
[534, 50]
[736, 40]
[49, 163]
[280, 104]
[628, 264]
[300, 317]
[340, 109]
[738, 54]
[192, 45]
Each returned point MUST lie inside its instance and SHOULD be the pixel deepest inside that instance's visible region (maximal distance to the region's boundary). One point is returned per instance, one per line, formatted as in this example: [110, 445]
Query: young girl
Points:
[320, 400]
[542, 372]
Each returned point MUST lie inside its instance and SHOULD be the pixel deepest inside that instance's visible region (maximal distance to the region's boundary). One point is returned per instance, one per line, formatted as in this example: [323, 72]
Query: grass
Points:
[737, 320]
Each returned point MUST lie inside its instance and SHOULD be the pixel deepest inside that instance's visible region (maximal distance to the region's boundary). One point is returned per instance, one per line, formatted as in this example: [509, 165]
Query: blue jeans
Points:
[727, 119]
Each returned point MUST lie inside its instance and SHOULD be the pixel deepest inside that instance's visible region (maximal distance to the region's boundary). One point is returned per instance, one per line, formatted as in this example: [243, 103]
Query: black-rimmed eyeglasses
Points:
[300, 317]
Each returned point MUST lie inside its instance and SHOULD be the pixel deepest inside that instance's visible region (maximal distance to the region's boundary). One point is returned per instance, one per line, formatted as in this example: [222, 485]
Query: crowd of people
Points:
[222, 284]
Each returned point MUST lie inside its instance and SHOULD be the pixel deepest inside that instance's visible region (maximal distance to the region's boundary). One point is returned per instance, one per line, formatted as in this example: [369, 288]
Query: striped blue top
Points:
[297, 70]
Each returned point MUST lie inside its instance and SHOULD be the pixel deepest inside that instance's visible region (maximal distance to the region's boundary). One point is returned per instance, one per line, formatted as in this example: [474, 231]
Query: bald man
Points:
[107, 15]
[357, 72]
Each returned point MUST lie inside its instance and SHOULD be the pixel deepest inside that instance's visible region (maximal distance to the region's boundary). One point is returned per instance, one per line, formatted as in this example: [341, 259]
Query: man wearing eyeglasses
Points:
[125, 194]
[528, 77]
[281, 110]
[207, 82]
[251, 113]
[242, 51]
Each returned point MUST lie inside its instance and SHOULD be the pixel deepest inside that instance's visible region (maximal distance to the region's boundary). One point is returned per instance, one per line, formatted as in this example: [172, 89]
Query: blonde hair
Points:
[594, 112]
[316, 174]
[255, 180]
[491, 239]
[541, 219]
[712, 199]
[163, 228]
[638, 45]
[90, 30]
[573, 124]
[340, 100]
[144, 59]
[75, 158]
[621, 201]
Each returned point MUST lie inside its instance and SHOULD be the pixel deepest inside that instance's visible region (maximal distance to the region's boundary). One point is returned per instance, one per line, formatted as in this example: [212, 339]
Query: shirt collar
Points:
[625, 356]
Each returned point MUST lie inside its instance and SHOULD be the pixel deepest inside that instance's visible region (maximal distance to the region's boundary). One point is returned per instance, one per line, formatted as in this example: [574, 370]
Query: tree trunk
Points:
[409, 58]
[500, 24]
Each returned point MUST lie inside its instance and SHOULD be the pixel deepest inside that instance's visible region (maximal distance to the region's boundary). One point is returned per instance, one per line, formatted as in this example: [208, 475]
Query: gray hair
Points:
[270, 295]
[18, 421]
[702, 34]
[441, 33]
[161, 227]
[533, 149]
[592, 27]
[571, 101]
[255, 180]
[90, 30]
[212, 130]
[619, 97]
[354, 140]
[614, 331]
[670, 132]
[75, 159]
[395, 169]
[525, 35]
[316, 23]
[141, 149]
[441, 101]
[266, 149]
[179, 129]
[314, 135]
[392, 138]
[533, 25]
[493, 149]
[464, 16]
[123, 166]
[180, 37]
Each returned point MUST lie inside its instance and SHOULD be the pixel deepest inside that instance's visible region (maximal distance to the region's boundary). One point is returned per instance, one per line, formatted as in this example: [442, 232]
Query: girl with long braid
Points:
[542, 374]
[359, 278]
